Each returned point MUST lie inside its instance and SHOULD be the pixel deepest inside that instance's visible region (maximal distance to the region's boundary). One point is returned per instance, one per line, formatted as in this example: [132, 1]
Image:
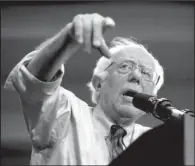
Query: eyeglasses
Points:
[127, 67]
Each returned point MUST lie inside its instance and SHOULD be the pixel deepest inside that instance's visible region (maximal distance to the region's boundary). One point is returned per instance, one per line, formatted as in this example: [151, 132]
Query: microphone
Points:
[160, 108]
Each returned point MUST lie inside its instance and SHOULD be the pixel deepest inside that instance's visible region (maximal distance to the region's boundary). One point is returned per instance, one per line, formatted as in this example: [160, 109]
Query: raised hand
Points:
[88, 29]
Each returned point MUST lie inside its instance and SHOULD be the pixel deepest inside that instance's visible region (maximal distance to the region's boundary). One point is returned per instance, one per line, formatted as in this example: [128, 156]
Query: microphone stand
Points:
[185, 117]
[188, 122]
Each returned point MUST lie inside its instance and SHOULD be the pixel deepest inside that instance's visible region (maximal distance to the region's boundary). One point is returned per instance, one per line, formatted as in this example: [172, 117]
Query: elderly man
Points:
[63, 128]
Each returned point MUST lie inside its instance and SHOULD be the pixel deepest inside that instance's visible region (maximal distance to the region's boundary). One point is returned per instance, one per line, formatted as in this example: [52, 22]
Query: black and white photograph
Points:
[97, 83]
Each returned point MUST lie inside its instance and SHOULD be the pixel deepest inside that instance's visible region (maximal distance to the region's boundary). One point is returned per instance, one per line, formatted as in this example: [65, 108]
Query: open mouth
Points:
[129, 93]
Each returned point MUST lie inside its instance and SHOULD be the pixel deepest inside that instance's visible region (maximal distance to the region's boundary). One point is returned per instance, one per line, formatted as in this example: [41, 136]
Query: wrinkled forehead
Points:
[133, 53]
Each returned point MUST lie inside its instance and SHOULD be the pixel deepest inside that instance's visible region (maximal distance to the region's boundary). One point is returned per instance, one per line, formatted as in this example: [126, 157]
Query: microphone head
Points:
[144, 102]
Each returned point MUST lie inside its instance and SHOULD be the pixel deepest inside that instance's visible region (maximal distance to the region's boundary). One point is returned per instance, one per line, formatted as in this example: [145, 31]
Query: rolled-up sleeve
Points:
[20, 77]
[31, 88]
[44, 104]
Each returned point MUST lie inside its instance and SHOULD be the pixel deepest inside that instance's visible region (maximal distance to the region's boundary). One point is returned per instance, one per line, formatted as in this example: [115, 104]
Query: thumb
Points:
[104, 50]
[108, 23]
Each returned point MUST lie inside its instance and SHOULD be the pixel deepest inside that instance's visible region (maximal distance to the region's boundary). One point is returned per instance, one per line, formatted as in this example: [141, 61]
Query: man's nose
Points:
[135, 76]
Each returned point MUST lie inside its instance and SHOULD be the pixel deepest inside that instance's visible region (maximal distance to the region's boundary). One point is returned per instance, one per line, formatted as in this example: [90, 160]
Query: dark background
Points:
[166, 28]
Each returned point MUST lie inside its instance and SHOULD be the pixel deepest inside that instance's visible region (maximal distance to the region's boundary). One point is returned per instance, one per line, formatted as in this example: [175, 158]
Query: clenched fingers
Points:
[78, 28]
[87, 32]
[88, 29]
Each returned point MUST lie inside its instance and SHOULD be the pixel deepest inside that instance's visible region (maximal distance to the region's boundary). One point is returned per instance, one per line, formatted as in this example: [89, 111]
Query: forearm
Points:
[84, 29]
[52, 54]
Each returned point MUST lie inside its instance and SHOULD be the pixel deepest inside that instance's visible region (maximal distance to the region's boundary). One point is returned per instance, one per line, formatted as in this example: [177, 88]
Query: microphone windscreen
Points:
[144, 102]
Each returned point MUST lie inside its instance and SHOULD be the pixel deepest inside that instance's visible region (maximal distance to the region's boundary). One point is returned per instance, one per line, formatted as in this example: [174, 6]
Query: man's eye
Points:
[146, 72]
[124, 66]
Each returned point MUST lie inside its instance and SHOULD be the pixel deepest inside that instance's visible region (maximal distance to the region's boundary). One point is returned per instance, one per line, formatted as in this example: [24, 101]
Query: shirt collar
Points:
[103, 124]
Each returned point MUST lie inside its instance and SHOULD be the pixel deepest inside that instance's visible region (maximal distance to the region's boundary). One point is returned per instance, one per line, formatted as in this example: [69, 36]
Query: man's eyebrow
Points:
[129, 60]
[145, 66]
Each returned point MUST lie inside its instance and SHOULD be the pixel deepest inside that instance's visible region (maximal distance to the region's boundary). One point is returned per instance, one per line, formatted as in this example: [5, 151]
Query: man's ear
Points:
[97, 82]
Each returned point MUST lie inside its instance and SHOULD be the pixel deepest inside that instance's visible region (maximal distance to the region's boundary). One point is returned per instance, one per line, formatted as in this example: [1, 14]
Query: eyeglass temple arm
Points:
[157, 80]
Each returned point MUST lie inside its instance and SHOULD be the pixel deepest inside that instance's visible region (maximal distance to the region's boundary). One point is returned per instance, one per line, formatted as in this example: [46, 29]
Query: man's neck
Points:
[104, 122]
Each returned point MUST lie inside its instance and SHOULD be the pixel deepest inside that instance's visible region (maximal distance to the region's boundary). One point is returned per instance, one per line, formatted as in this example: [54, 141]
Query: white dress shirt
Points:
[63, 129]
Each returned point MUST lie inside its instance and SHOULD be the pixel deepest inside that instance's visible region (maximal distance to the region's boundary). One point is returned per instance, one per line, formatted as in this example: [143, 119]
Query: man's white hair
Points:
[117, 44]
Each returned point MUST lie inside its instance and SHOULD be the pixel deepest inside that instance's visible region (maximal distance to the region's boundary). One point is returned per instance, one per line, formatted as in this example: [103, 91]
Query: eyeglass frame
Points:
[134, 67]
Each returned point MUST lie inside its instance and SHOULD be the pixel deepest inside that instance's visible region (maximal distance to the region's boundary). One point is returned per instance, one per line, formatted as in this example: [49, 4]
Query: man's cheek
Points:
[106, 99]
[110, 96]
[147, 88]
[110, 83]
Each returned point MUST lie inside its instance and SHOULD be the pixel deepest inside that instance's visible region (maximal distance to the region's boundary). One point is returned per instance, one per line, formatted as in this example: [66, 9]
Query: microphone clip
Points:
[158, 111]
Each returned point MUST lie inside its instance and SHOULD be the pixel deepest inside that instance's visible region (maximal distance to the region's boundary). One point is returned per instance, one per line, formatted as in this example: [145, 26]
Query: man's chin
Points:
[127, 106]
[129, 111]
[126, 110]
